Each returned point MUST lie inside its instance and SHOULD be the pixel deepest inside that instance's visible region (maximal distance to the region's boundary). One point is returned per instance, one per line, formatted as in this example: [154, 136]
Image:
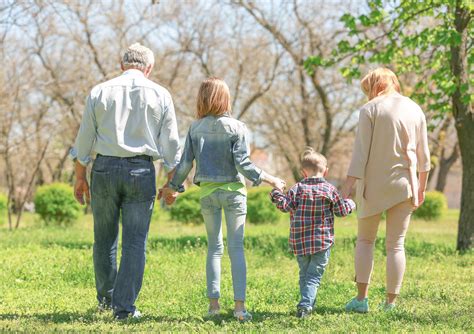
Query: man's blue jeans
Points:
[235, 209]
[311, 271]
[126, 187]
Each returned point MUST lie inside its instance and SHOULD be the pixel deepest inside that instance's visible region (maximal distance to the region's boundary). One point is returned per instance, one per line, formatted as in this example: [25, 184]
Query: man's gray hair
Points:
[138, 56]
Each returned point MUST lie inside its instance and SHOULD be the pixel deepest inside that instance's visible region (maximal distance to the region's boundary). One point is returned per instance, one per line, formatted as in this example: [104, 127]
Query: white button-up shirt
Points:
[128, 116]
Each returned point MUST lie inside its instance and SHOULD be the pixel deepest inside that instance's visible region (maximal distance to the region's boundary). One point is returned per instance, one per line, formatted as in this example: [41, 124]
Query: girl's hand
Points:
[278, 183]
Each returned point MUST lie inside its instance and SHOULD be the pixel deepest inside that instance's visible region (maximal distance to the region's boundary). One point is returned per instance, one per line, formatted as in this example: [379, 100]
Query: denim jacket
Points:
[221, 149]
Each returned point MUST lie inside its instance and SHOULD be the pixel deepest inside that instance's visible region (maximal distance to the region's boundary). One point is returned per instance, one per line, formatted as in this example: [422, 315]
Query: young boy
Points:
[312, 204]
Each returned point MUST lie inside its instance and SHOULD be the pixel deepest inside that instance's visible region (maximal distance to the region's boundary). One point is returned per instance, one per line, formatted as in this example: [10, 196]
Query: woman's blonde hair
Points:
[213, 98]
[379, 82]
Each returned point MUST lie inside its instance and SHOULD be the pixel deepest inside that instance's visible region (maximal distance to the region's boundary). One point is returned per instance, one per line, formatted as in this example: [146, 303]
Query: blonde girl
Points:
[219, 145]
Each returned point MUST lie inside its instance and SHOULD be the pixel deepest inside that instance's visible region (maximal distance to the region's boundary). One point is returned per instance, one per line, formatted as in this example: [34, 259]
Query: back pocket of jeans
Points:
[143, 180]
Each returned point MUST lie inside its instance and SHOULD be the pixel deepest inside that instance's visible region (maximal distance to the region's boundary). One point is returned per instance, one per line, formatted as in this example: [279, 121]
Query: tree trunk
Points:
[464, 126]
[466, 218]
[445, 165]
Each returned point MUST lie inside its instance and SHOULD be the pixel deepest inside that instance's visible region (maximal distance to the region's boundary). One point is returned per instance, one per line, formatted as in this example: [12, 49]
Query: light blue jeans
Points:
[235, 209]
[311, 271]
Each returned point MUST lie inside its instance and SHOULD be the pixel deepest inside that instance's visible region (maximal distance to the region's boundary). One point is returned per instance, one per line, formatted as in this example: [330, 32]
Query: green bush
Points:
[187, 208]
[55, 204]
[433, 207]
[3, 208]
[260, 209]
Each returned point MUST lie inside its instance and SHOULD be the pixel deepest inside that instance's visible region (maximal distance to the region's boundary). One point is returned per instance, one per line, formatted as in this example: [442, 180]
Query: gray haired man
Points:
[128, 121]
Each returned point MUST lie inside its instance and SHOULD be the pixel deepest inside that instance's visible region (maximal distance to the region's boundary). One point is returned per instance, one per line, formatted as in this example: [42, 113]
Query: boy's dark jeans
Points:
[311, 271]
[123, 186]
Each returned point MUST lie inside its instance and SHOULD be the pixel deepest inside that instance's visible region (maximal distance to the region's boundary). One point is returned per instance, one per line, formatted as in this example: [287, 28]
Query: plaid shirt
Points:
[312, 204]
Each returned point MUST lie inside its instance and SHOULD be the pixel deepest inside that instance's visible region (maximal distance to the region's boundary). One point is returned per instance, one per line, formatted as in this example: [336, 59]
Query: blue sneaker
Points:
[386, 307]
[242, 316]
[359, 306]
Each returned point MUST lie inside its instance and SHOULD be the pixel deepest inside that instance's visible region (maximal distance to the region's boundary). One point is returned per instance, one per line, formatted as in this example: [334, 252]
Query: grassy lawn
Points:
[47, 282]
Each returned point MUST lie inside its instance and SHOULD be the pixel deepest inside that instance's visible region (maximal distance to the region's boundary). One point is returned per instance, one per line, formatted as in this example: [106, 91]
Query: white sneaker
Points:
[135, 315]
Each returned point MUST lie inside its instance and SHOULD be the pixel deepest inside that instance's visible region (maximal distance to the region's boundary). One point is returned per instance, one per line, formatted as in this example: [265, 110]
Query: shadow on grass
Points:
[89, 316]
[92, 316]
[269, 245]
[68, 244]
[323, 310]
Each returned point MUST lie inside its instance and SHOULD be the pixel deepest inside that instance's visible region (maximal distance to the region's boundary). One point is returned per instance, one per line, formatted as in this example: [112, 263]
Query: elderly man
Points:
[128, 121]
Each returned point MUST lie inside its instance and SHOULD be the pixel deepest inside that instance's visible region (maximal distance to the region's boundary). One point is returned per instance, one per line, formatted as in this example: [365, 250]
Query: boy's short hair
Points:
[312, 160]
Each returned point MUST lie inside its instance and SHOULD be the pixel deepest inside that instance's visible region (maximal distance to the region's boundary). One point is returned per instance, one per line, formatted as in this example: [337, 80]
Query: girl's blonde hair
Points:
[379, 82]
[213, 98]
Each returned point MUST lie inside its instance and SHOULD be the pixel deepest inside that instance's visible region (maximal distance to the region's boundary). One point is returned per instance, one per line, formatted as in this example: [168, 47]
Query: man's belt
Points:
[142, 157]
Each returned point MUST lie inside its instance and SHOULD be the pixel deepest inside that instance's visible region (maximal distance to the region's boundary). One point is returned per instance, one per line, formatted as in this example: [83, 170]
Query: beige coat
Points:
[391, 146]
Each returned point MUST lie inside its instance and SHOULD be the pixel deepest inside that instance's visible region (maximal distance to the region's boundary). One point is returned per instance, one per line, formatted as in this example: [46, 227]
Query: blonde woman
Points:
[219, 145]
[390, 163]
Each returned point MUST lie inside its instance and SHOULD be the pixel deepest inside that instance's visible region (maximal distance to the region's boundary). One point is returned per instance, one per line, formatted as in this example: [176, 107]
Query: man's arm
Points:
[86, 136]
[168, 144]
[168, 137]
[184, 166]
[82, 150]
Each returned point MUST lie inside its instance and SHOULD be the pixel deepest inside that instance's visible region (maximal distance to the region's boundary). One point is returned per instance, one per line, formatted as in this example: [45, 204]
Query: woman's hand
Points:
[421, 197]
[347, 186]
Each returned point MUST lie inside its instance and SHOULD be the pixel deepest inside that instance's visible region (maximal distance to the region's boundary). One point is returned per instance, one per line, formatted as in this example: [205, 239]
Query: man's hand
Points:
[81, 190]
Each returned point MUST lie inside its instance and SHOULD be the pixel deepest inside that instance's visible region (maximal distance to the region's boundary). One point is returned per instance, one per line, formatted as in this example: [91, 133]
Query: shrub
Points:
[260, 209]
[55, 203]
[187, 208]
[433, 208]
[3, 208]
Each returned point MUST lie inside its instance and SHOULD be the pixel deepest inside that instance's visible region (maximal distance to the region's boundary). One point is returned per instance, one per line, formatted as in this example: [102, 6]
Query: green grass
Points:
[47, 282]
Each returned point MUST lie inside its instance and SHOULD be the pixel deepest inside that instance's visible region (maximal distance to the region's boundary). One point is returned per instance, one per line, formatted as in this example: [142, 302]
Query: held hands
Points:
[276, 182]
[168, 194]
[81, 190]
[347, 187]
